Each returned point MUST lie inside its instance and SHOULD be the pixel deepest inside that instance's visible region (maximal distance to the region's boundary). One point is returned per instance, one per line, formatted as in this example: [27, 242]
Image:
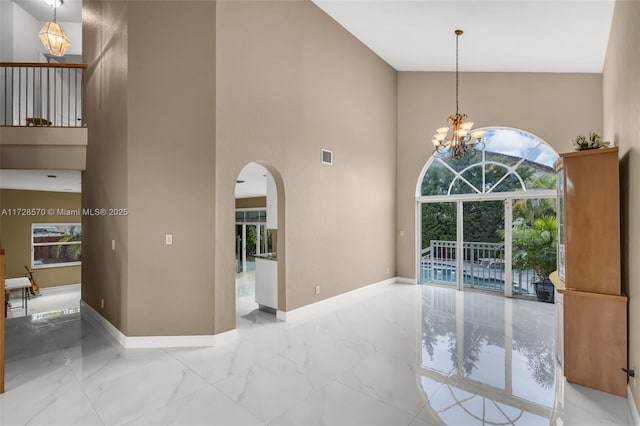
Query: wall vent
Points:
[326, 156]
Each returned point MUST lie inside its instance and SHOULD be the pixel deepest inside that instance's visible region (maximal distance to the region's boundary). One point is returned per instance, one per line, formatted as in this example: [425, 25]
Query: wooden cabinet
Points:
[592, 316]
[559, 301]
[589, 222]
[595, 334]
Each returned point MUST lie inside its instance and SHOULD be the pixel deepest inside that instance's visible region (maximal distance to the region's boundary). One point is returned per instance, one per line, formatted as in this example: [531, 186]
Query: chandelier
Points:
[52, 35]
[462, 140]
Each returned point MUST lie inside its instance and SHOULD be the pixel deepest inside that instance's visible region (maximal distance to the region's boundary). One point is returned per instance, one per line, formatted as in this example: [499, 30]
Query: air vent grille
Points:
[326, 156]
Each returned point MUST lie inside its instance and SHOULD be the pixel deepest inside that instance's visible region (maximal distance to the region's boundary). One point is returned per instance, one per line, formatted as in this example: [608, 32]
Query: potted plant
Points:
[535, 248]
[593, 141]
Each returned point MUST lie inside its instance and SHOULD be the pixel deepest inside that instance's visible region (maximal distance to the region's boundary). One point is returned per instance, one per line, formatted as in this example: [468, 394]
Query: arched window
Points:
[508, 160]
[469, 208]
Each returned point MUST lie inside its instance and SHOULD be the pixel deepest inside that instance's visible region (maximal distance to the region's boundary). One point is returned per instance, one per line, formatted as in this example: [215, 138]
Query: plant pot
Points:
[545, 291]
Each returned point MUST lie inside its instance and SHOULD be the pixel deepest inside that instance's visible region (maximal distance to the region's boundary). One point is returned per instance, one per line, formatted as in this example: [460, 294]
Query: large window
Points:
[56, 244]
[509, 160]
[487, 220]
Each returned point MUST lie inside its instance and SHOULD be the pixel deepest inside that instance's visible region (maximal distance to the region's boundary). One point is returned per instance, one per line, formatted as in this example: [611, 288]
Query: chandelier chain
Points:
[462, 140]
[457, 38]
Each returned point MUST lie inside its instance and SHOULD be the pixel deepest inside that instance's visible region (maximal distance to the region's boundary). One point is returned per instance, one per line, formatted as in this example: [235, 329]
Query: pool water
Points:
[448, 276]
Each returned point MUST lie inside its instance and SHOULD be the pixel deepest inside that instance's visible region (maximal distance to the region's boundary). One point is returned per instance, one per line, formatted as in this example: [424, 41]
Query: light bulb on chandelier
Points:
[462, 140]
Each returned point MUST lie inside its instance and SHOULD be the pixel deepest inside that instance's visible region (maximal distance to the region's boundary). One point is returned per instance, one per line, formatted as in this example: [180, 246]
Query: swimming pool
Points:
[446, 274]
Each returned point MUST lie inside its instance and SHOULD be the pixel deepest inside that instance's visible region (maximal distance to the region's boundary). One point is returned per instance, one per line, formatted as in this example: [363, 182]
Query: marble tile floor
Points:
[50, 299]
[401, 355]
[247, 312]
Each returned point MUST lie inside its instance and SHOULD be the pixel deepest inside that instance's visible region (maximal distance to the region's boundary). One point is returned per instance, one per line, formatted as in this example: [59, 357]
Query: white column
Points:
[508, 346]
[258, 242]
[418, 243]
[459, 245]
[244, 247]
[508, 247]
[272, 203]
[460, 333]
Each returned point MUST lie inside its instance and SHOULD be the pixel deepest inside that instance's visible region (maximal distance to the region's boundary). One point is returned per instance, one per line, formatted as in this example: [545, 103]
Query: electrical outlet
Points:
[102, 303]
[402, 233]
[387, 270]
[317, 289]
[113, 244]
[168, 239]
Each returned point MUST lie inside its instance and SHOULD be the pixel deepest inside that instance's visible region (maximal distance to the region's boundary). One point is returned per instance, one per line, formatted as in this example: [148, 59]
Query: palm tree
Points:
[72, 252]
[535, 246]
[531, 209]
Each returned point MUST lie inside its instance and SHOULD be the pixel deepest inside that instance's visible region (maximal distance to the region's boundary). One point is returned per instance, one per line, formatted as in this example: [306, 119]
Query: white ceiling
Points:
[255, 181]
[70, 11]
[500, 35]
[38, 180]
[505, 36]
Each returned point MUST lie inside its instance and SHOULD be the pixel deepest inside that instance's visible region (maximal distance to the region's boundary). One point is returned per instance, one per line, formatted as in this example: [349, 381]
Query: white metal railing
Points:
[41, 94]
[483, 266]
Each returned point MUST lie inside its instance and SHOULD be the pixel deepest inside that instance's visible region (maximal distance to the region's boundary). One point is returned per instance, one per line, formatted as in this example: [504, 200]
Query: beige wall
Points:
[554, 107]
[151, 146]
[290, 82]
[171, 164]
[621, 89]
[104, 183]
[43, 148]
[15, 233]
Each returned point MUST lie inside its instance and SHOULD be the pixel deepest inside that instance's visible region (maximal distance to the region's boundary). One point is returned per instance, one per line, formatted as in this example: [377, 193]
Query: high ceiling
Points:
[252, 181]
[418, 35]
[503, 35]
[70, 11]
[500, 35]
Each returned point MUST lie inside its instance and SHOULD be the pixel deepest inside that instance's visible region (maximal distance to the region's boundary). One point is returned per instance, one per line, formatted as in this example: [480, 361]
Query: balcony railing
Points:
[483, 266]
[41, 94]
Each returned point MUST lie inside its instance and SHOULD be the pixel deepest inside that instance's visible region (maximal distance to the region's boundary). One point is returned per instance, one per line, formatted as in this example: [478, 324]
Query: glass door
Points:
[534, 237]
[483, 244]
[251, 246]
[239, 250]
[505, 245]
[249, 242]
[438, 242]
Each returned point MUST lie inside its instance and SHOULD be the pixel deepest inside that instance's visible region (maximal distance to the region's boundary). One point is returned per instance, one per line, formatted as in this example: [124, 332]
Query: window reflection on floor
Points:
[480, 363]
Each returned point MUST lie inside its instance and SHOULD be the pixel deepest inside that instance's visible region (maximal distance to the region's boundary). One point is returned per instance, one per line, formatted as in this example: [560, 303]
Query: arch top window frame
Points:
[519, 146]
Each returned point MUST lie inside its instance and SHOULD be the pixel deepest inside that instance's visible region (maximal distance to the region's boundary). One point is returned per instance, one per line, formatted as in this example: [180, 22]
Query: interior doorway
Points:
[256, 256]
[42, 238]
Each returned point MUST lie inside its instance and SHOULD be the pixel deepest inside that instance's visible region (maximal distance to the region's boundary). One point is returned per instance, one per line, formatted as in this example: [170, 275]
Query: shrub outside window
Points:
[56, 244]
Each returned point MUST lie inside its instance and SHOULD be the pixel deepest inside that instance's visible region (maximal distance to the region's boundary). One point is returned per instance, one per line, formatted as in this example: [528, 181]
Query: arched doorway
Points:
[472, 211]
[259, 259]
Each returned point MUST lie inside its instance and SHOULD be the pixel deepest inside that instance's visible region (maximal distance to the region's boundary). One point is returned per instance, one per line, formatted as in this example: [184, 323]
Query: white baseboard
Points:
[403, 280]
[633, 407]
[299, 314]
[131, 342]
[87, 311]
[327, 305]
[225, 337]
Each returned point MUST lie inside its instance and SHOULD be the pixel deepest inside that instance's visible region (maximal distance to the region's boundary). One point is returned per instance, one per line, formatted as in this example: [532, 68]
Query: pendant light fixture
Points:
[462, 141]
[52, 35]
